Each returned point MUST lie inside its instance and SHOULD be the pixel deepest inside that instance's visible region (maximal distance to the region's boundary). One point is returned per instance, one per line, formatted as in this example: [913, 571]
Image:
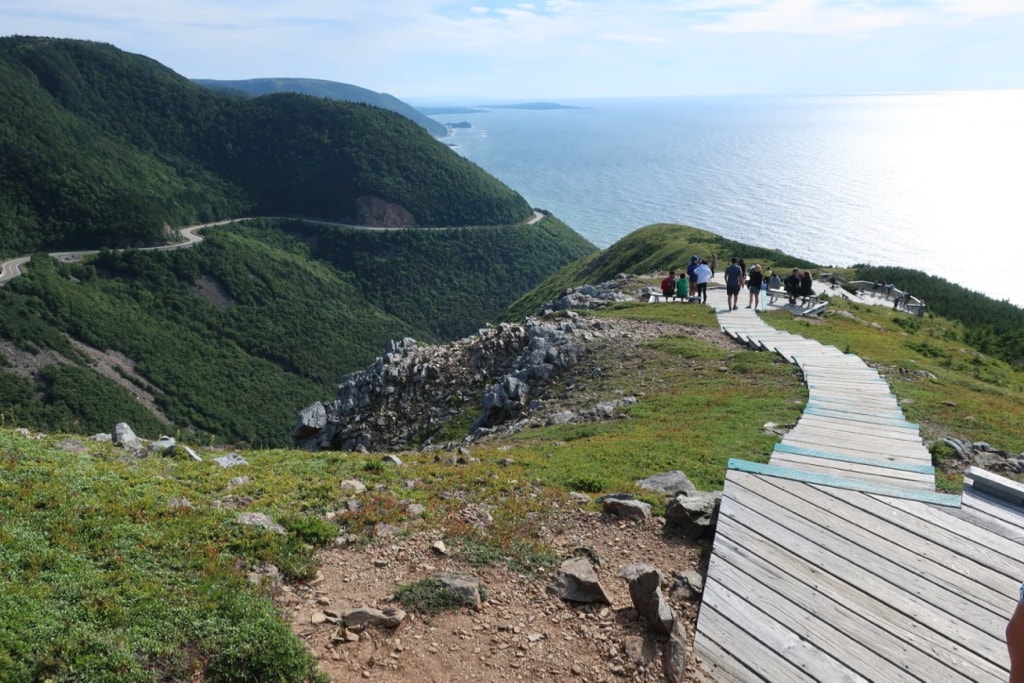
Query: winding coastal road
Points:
[11, 268]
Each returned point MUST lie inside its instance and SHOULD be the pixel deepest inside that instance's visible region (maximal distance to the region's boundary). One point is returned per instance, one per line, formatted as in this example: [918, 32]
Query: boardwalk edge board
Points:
[946, 499]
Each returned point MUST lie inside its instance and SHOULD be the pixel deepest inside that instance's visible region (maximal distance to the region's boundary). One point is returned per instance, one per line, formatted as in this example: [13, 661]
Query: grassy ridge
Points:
[112, 577]
[655, 248]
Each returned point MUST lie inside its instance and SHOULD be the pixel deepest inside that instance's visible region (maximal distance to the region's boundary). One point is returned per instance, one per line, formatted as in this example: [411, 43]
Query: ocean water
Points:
[930, 181]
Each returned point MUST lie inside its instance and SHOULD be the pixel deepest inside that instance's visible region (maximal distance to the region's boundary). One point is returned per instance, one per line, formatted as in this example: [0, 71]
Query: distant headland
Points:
[483, 108]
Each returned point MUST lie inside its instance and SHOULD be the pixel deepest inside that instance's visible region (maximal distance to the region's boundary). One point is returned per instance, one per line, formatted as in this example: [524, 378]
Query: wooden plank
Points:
[879, 430]
[958, 536]
[1001, 487]
[901, 454]
[861, 441]
[870, 526]
[853, 416]
[867, 474]
[771, 618]
[854, 406]
[879, 613]
[890, 463]
[843, 483]
[718, 661]
[993, 513]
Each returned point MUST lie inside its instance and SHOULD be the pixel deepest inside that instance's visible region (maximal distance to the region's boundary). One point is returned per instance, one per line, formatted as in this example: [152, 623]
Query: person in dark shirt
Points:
[733, 282]
[792, 285]
[754, 285]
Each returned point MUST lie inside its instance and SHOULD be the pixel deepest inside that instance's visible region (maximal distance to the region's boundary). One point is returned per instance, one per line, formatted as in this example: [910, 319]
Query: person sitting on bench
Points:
[668, 285]
[792, 285]
[806, 290]
[683, 289]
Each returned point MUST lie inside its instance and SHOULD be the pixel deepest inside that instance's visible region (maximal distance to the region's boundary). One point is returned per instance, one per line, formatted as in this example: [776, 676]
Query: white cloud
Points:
[623, 38]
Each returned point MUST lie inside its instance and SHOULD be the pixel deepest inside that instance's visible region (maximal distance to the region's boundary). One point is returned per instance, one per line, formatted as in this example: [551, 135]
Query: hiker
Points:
[792, 284]
[668, 285]
[683, 289]
[703, 273]
[754, 285]
[690, 275]
[733, 280]
[714, 264]
[1015, 640]
[774, 282]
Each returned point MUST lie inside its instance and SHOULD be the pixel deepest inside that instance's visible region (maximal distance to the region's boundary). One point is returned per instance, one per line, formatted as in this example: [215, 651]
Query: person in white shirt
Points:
[703, 273]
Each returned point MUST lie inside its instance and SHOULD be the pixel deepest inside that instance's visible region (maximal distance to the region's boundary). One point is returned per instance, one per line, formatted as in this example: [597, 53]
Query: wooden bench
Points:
[805, 301]
[658, 297]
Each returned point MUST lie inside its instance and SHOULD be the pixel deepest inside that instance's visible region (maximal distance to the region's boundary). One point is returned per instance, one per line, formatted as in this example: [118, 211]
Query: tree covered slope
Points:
[103, 147]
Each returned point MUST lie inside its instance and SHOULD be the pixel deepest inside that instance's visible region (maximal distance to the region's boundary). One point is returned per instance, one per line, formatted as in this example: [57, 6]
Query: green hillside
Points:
[234, 336]
[103, 147]
[345, 92]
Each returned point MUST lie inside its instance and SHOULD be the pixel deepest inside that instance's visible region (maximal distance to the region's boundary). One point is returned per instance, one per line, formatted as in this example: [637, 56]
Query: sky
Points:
[446, 50]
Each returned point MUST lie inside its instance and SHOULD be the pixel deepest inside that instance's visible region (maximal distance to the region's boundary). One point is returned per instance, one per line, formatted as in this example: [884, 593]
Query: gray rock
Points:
[465, 586]
[311, 420]
[415, 510]
[576, 581]
[165, 445]
[640, 650]
[562, 417]
[125, 437]
[391, 459]
[192, 454]
[627, 509]
[673, 659]
[366, 617]
[688, 585]
[261, 520]
[668, 482]
[352, 486]
[230, 460]
[695, 515]
[650, 603]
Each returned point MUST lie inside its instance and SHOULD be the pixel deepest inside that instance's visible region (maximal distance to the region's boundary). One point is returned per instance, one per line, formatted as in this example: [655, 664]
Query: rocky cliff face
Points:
[411, 393]
[378, 213]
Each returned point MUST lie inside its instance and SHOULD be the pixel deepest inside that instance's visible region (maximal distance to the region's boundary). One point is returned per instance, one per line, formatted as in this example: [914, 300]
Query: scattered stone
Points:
[505, 462]
[579, 498]
[627, 509]
[669, 483]
[695, 515]
[391, 459]
[230, 460]
[673, 659]
[439, 547]
[165, 445]
[192, 454]
[362, 618]
[688, 585]
[235, 482]
[466, 587]
[576, 581]
[261, 520]
[415, 510]
[648, 600]
[352, 486]
[180, 503]
[125, 437]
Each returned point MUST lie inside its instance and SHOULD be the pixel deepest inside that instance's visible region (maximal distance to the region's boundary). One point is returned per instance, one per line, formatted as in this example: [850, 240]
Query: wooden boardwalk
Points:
[838, 560]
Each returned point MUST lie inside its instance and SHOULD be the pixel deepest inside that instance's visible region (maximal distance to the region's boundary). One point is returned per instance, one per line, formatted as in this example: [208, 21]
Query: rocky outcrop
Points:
[411, 392]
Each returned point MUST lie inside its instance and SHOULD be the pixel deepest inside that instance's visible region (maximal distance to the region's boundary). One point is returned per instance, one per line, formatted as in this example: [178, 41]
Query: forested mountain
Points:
[103, 147]
[329, 89]
[228, 339]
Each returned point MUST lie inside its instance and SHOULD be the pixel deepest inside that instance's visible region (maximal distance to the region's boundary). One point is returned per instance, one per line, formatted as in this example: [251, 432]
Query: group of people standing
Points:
[693, 284]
